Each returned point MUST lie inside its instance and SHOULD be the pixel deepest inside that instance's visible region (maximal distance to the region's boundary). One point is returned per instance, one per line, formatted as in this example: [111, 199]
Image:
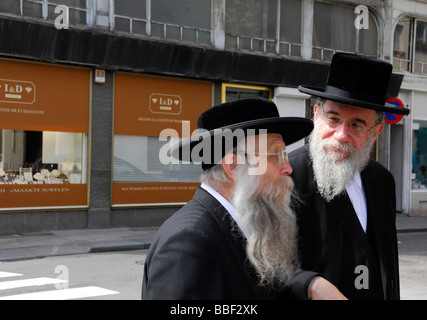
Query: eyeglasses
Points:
[282, 156]
[356, 129]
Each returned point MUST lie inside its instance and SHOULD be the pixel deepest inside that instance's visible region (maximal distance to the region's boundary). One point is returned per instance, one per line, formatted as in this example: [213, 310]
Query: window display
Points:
[44, 126]
[419, 156]
[31, 157]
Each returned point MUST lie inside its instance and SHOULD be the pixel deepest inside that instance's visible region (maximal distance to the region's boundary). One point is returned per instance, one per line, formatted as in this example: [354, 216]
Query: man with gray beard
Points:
[346, 209]
[236, 238]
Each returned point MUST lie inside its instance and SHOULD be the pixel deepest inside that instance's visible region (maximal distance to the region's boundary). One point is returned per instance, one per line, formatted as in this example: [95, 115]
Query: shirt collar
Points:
[357, 179]
[226, 204]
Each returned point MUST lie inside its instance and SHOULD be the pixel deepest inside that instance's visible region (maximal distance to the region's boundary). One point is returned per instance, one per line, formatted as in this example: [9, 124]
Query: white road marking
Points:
[4, 285]
[9, 274]
[65, 294]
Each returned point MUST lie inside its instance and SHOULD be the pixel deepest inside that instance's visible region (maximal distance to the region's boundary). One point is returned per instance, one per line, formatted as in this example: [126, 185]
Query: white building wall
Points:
[291, 103]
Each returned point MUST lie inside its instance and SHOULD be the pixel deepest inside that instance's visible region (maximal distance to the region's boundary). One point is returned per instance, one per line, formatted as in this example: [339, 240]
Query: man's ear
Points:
[315, 109]
[229, 164]
[378, 129]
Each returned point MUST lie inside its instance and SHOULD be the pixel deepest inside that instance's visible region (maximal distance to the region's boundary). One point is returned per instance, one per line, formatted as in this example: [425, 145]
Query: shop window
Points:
[32, 157]
[419, 156]
[334, 30]
[139, 159]
[150, 115]
[253, 25]
[43, 136]
[238, 91]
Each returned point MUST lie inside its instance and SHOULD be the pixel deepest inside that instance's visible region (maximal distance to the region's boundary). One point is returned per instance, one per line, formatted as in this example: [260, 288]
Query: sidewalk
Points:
[68, 242]
[410, 224]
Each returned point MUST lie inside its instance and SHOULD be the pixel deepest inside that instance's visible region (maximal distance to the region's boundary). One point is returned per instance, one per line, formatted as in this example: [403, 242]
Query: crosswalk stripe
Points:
[9, 274]
[4, 285]
[64, 294]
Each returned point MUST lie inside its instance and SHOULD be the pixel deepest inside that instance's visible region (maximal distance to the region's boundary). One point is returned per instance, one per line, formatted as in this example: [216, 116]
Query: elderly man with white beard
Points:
[236, 239]
[346, 208]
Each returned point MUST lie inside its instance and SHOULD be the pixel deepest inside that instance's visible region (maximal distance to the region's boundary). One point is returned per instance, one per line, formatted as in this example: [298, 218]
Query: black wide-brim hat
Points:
[249, 116]
[359, 81]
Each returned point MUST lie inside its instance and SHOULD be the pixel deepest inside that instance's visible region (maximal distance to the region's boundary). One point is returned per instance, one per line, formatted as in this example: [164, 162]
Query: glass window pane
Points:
[251, 18]
[122, 24]
[290, 21]
[35, 157]
[190, 13]
[420, 65]
[137, 159]
[402, 45]
[10, 6]
[333, 27]
[130, 8]
[32, 9]
[75, 16]
[368, 38]
[419, 157]
[241, 92]
[139, 27]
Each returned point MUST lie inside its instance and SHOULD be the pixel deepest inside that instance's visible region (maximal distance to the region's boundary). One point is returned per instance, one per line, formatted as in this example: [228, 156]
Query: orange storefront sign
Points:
[154, 193]
[40, 97]
[43, 195]
[146, 105]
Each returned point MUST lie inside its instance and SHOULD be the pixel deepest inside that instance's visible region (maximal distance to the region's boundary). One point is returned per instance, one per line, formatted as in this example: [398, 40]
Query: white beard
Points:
[265, 212]
[333, 177]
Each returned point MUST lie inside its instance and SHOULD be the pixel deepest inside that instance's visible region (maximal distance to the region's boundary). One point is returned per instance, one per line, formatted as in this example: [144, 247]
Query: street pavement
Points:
[69, 242]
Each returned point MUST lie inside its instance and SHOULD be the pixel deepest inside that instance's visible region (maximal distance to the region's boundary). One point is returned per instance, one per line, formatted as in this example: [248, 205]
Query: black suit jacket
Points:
[332, 241]
[198, 254]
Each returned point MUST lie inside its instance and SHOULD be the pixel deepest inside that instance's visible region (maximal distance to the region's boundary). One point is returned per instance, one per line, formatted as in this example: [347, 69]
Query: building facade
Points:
[93, 92]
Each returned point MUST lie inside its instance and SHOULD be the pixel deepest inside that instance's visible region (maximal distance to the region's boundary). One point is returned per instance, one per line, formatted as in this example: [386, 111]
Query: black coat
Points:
[198, 254]
[332, 241]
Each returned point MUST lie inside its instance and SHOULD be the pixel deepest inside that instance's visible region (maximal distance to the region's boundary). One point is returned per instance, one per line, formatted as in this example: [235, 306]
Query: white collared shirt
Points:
[226, 204]
[358, 199]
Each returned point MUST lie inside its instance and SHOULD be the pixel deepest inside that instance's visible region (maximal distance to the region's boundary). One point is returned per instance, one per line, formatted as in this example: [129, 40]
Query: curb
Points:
[9, 255]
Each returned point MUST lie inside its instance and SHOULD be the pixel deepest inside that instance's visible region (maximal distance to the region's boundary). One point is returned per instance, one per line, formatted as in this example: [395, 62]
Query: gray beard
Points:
[333, 177]
[266, 214]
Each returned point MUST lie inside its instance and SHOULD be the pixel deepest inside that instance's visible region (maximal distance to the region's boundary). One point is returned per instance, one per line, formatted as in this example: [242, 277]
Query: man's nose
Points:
[286, 169]
[342, 133]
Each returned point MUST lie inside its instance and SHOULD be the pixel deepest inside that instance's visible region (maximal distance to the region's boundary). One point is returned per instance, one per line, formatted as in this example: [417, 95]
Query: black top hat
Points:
[358, 81]
[221, 121]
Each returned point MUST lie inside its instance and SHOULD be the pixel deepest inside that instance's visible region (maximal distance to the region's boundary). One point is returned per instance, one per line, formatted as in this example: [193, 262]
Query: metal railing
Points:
[262, 45]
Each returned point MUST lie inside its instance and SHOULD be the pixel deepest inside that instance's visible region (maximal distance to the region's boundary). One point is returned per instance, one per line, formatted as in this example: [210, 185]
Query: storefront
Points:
[408, 148]
[44, 127]
[151, 114]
